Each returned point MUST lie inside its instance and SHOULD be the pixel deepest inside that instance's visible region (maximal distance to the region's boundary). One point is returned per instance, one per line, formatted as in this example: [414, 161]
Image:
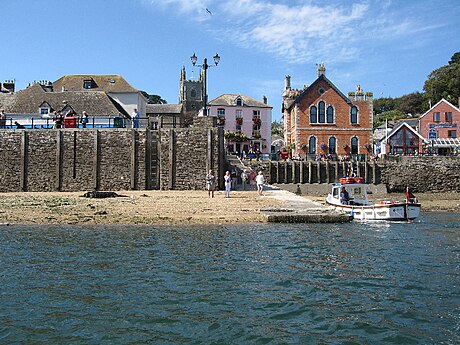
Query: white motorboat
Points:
[359, 207]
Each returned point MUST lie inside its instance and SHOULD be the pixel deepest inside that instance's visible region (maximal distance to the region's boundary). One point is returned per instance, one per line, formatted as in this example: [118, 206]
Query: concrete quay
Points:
[299, 209]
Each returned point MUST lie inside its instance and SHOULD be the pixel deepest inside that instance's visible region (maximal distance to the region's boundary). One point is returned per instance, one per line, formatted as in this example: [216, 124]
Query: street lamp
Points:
[205, 67]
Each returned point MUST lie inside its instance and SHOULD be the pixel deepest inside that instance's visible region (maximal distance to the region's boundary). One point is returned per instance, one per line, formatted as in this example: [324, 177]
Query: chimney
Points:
[8, 85]
[287, 82]
[264, 98]
[48, 86]
[321, 70]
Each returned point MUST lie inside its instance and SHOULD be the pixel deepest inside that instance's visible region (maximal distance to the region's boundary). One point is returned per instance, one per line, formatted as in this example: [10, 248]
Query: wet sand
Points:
[166, 207]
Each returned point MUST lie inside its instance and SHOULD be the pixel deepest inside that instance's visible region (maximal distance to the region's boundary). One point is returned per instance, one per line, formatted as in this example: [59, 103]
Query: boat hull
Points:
[387, 212]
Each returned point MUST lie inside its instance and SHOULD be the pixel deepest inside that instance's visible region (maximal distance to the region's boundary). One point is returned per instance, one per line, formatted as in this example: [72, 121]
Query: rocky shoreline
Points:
[166, 207]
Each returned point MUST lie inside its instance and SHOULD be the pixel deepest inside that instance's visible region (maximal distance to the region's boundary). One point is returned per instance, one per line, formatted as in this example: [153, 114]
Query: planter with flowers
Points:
[323, 146]
[256, 120]
[239, 121]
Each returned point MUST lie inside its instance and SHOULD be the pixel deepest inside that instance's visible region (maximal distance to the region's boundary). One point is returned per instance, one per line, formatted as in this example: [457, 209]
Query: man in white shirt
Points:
[260, 182]
[135, 118]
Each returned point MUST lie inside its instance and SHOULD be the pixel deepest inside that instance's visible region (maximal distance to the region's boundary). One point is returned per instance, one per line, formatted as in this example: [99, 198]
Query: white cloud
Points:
[297, 33]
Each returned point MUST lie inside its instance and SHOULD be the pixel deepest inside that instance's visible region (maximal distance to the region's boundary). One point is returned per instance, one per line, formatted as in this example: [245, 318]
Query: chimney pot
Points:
[264, 98]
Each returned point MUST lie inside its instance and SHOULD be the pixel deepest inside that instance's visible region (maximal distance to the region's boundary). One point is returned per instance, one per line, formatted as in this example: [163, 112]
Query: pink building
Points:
[248, 118]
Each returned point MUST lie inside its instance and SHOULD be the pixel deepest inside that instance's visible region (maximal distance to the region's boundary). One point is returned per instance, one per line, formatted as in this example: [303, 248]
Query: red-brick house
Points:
[440, 126]
[320, 119]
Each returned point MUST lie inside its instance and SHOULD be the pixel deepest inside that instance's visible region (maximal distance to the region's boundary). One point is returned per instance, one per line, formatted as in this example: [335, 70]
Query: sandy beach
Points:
[165, 207]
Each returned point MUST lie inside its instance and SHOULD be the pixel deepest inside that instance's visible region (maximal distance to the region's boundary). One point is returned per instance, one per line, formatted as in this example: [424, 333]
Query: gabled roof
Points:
[434, 106]
[230, 100]
[108, 83]
[398, 127]
[322, 77]
[29, 100]
[163, 108]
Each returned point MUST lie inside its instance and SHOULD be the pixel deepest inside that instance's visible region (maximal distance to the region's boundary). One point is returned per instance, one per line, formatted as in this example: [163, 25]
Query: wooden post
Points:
[301, 172]
[366, 177]
[336, 171]
[310, 169]
[59, 160]
[374, 173]
[24, 161]
[286, 172]
[327, 172]
[148, 159]
[318, 171]
[277, 172]
[293, 171]
[209, 158]
[133, 159]
[96, 160]
[221, 155]
[172, 159]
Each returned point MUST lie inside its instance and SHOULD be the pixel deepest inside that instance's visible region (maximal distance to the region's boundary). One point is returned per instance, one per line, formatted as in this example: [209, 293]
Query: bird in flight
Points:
[207, 10]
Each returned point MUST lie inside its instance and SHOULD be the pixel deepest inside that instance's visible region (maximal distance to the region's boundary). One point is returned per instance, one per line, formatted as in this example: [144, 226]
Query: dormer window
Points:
[239, 102]
[44, 109]
[88, 84]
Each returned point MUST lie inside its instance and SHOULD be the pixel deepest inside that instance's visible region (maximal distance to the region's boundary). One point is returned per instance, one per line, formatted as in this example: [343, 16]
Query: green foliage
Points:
[392, 115]
[235, 136]
[444, 82]
[413, 103]
[277, 129]
[153, 99]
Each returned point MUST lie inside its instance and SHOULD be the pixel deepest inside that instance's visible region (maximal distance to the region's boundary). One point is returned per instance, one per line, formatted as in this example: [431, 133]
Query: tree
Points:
[153, 99]
[277, 129]
[384, 104]
[444, 82]
[389, 115]
[413, 103]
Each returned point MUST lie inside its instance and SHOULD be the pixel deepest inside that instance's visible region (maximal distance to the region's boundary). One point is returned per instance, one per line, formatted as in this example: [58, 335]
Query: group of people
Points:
[211, 182]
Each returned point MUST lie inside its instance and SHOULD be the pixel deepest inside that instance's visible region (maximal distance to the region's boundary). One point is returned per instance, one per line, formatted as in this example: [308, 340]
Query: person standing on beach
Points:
[244, 178]
[228, 184]
[211, 183]
[260, 182]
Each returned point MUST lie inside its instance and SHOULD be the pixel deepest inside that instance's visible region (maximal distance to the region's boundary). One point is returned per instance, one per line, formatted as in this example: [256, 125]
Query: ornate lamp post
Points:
[205, 67]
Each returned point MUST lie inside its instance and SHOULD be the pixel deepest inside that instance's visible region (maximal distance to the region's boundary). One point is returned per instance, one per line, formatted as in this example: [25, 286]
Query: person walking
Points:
[228, 184]
[210, 183]
[2, 119]
[260, 182]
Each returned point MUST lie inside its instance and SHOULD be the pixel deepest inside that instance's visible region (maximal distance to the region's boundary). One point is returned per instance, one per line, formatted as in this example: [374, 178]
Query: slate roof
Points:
[313, 86]
[108, 83]
[29, 100]
[230, 100]
[163, 109]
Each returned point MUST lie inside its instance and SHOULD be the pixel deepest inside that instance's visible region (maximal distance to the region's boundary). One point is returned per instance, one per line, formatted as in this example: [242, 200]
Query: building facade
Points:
[321, 120]
[248, 118]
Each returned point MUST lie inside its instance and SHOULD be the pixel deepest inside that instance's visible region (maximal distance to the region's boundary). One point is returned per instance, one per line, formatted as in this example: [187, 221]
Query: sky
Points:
[387, 47]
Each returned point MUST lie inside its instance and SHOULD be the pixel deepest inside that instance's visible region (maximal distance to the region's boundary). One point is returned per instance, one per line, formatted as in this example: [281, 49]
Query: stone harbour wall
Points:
[108, 159]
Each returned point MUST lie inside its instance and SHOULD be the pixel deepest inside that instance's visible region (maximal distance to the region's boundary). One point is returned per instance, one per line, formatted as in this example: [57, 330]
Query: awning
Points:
[445, 143]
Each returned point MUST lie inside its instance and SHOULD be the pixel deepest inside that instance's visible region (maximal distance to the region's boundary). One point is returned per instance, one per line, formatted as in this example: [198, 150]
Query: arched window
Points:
[312, 145]
[239, 102]
[330, 114]
[193, 93]
[354, 146]
[354, 115]
[332, 145]
[313, 114]
[322, 112]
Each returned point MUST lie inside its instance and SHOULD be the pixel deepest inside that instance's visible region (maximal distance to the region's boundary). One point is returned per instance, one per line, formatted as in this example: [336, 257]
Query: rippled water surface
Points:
[250, 284]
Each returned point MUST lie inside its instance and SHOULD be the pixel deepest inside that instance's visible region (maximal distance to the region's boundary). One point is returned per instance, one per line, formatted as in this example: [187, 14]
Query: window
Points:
[313, 115]
[452, 134]
[448, 116]
[44, 111]
[87, 84]
[354, 145]
[330, 114]
[354, 115]
[220, 112]
[256, 113]
[239, 102]
[312, 145]
[322, 112]
[239, 113]
[437, 117]
[238, 128]
[332, 145]
[193, 93]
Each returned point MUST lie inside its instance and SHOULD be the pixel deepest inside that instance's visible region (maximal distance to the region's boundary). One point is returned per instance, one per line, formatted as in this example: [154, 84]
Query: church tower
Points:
[191, 93]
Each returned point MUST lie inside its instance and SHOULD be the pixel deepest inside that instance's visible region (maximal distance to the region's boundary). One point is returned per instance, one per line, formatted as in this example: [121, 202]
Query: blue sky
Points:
[388, 47]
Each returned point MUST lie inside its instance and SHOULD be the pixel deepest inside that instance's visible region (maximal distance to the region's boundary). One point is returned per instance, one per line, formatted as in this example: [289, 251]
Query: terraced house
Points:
[320, 119]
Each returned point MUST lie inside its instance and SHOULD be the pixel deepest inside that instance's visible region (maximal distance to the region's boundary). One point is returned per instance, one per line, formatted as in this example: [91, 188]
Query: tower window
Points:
[354, 115]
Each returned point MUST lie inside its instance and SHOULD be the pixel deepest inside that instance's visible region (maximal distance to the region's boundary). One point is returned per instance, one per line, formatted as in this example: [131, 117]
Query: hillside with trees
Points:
[443, 82]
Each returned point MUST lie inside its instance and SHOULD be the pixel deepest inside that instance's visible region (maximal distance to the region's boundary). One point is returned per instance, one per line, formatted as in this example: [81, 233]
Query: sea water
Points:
[357, 283]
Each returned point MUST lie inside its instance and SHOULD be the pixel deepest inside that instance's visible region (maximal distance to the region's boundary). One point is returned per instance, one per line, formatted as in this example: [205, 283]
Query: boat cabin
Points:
[356, 191]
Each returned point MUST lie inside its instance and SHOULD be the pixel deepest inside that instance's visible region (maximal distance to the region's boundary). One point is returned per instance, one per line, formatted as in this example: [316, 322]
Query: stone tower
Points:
[191, 93]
